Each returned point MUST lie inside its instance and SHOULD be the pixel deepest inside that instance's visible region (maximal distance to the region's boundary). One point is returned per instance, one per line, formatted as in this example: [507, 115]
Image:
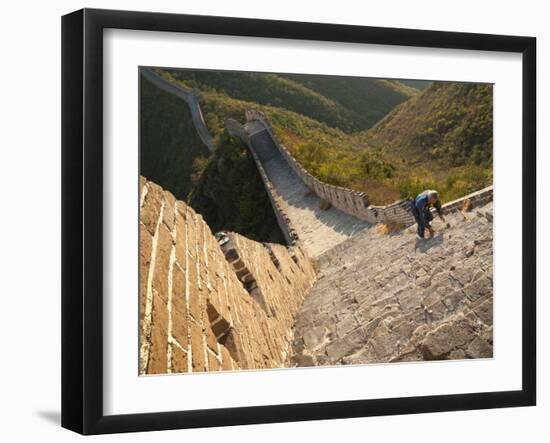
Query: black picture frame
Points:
[82, 219]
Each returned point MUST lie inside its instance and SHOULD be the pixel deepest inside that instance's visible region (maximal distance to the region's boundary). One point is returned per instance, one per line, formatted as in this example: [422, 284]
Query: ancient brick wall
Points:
[198, 311]
[357, 203]
[276, 277]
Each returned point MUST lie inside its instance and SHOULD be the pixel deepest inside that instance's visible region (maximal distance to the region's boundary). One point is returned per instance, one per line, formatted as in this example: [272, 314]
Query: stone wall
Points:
[236, 130]
[207, 309]
[354, 202]
[476, 199]
[190, 99]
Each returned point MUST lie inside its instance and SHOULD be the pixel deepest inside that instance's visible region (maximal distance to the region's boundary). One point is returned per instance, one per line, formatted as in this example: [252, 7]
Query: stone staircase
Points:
[384, 298]
[319, 229]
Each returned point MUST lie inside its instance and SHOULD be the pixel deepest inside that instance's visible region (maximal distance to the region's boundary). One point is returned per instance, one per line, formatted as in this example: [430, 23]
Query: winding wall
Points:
[279, 208]
[354, 202]
[300, 200]
[189, 98]
[300, 212]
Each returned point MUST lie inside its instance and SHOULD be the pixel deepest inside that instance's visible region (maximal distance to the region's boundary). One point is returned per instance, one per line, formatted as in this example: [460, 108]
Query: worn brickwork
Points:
[197, 312]
[275, 276]
[384, 298]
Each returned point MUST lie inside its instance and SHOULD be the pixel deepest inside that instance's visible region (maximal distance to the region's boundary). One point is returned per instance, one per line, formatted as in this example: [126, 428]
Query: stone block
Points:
[227, 360]
[179, 308]
[302, 360]
[213, 364]
[197, 347]
[338, 349]
[314, 337]
[211, 340]
[169, 210]
[145, 243]
[457, 354]
[181, 244]
[409, 299]
[192, 235]
[462, 275]
[485, 312]
[345, 325]
[385, 345]
[196, 302]
[447, 337]
[479, 348]
[220, 327]
[454, 300]
[162, 262]
[158, 363]
[179, 360]
[150, 211]
[479, 288]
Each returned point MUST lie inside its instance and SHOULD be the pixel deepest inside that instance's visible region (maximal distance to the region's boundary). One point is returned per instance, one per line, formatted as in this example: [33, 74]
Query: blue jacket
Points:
[421, 204]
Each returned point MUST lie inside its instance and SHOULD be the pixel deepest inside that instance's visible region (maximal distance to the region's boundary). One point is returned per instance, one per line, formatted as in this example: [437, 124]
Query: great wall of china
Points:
[340, 292]
[189, 97]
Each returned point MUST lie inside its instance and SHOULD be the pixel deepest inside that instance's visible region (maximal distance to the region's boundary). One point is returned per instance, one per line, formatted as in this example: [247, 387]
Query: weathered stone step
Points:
[382, 298]
[319, 229]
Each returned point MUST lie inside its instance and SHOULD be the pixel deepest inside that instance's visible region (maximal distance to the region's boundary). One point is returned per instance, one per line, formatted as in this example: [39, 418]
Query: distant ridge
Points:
[449, 123]
[369, 99]
[347, 103]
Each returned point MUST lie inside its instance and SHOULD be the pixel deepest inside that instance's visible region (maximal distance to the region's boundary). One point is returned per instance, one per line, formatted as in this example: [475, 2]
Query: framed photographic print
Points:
[269, 221]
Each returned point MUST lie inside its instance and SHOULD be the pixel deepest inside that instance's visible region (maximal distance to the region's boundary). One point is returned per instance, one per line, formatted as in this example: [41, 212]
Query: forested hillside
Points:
[444, 137]
[450, 123]
[329, 153]
[367, 98]
[269, 90]
[418, 84]
[346, 103]
[225, 186]
[169, 144]
[230, 194]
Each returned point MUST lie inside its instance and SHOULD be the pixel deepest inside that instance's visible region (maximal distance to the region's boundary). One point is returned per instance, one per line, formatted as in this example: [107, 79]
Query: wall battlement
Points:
[208, 303]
